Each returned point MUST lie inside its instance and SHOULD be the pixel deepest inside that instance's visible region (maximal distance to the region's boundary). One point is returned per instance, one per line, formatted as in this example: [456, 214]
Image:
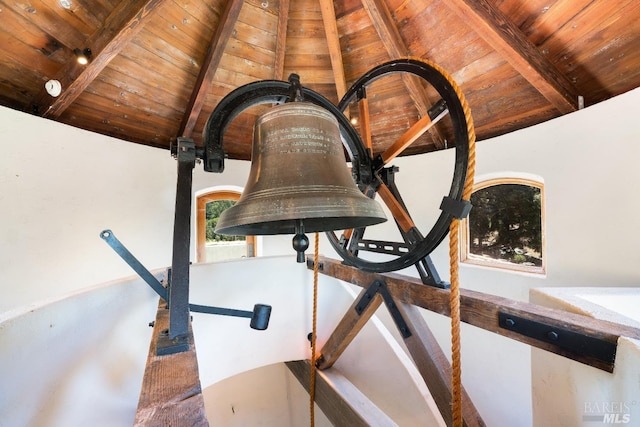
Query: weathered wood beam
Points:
[342, 403]
[281, 39]
[346, 331]
[171, 394]
[120, 27]
[396, 208]
[390, 36]
[204, 81]
[333, 41]
[507, 39]
[482, 310]
[434, 367]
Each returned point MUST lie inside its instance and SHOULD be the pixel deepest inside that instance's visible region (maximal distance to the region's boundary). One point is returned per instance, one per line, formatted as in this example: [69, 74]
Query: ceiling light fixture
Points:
[82, 56]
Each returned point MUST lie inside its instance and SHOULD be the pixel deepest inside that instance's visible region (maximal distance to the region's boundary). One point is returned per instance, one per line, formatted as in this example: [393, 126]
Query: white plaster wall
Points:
[267, 396]
[76, 360]
[61, 186]
[566, 392]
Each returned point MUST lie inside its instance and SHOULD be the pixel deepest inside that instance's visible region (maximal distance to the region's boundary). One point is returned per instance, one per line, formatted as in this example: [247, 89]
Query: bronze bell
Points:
[299, 180]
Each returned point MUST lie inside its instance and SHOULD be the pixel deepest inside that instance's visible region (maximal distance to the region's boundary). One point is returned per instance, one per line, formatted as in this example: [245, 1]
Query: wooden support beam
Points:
[342, 403]
[394, 44]
[434, 367]
[214, 55]
[507, 39]
[171, 394]
[333, 41]
[398, 211]
[482, 310]
[281, 40]
[365, 123]
[346, 331]
[120, 27]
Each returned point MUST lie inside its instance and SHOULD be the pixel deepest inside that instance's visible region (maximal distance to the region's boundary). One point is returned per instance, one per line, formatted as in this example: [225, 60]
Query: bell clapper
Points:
[300, 241]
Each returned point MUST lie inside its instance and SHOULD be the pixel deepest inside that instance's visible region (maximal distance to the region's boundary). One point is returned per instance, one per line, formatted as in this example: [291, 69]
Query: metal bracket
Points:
[574, 342]
[458, 208]
[378, 286]
[118, 247]
[166, 345]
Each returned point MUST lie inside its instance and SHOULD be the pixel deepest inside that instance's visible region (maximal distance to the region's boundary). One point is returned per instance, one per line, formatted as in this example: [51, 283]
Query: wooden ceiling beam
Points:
[120, 27]
[390, 36]
[507, 39]
[281, 39]
[333, 40]
[214, 54]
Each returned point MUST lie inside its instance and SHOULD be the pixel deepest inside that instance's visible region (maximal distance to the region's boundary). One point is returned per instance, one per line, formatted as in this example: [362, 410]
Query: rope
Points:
[454, 230]
[312, 381]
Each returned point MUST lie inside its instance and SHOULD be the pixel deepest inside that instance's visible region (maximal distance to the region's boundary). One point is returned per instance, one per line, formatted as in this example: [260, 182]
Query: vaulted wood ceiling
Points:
[159, 67]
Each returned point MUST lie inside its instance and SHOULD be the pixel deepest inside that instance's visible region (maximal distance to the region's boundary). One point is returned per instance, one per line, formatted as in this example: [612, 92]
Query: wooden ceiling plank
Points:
[125, 22]
[281, 40]
[499, 32]
[214, 55]
[340, 400]
[333, 41]
[45, 19]
[396, 47]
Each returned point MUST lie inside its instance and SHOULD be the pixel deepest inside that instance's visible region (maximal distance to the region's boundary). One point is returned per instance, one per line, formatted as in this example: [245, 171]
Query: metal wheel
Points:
[415, 248]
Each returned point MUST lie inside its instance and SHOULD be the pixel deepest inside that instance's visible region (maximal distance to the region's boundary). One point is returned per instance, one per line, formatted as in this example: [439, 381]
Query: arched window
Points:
[211, 247]
[505, 228]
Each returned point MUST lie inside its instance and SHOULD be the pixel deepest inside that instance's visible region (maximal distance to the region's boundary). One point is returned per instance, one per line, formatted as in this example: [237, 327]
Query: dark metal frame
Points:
[368, 173]
[419, 247]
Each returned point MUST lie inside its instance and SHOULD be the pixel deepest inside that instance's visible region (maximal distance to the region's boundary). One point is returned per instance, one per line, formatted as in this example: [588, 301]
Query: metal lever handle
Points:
[259, 316]
[118, 247]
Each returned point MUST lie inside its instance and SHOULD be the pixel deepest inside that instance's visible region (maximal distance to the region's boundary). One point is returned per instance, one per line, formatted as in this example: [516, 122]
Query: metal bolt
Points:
[553, 336]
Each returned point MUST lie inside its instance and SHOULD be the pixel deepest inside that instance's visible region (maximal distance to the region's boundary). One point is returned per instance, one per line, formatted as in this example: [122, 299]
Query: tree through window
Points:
[217, 247]
[505, 228]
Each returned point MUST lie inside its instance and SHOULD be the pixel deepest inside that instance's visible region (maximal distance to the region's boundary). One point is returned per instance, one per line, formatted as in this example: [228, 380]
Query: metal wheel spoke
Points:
[414, 132]
[398, 211]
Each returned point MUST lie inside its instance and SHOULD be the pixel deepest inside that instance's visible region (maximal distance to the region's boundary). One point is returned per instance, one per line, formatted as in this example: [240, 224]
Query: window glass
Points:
[505, 227]
[219, 247]
[216, 247]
